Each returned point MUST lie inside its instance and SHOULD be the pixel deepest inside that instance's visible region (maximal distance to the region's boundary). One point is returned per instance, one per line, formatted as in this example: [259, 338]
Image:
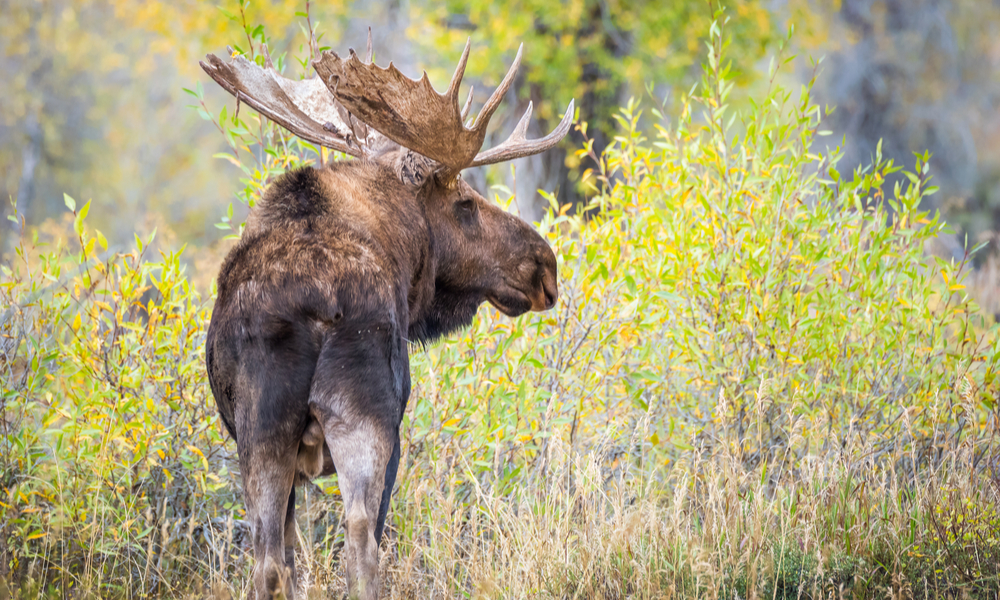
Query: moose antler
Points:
[305, 107]
[411, 113]
[517, 146]
[337, 108]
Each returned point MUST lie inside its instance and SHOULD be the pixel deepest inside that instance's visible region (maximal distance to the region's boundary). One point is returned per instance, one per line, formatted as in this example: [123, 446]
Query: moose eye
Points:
[466, 207]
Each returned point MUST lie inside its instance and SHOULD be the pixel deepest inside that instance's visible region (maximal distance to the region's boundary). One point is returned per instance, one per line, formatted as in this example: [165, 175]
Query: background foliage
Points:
[93, 104]
[756, 383]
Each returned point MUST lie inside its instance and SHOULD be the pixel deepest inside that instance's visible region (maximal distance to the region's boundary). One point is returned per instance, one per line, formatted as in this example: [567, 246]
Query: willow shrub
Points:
[756, 381]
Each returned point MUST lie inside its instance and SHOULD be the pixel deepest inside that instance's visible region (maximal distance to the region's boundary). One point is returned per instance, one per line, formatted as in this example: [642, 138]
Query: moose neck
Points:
[448, 310]
[438, 307]
[394, 215]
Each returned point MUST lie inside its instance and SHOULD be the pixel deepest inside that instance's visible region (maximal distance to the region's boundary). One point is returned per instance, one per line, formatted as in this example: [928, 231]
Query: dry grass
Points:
[841, 525]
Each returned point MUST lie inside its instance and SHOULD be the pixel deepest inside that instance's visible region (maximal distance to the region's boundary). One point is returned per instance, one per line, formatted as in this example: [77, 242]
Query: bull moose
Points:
[339, 269]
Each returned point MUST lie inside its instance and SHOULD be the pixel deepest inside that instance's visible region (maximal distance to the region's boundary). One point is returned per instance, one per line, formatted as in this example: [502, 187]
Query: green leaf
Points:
[80, 216]
[70, 202]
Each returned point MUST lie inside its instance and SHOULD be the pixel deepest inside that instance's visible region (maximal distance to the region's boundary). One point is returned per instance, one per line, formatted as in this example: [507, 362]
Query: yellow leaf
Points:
[76, 322]
[230, 159]
[450, 422]
[955, 287]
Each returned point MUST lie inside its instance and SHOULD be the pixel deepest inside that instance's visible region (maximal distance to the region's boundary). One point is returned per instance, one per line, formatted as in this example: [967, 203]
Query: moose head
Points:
[339, 269]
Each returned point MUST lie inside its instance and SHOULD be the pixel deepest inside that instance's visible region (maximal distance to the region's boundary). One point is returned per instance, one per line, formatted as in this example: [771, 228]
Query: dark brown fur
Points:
[339, 269]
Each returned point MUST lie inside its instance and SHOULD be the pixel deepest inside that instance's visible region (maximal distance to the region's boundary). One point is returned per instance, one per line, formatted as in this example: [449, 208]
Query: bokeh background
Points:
[93, 103]
[766, 377]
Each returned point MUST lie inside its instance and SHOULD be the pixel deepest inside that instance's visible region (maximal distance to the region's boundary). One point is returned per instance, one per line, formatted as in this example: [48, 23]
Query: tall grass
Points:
[756, 384]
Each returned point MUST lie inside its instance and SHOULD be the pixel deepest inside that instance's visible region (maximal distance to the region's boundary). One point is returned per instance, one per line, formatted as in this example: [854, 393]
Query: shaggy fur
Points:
[337, 271]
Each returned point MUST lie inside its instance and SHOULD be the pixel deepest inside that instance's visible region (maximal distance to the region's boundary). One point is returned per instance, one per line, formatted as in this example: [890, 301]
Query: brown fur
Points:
[338, 271]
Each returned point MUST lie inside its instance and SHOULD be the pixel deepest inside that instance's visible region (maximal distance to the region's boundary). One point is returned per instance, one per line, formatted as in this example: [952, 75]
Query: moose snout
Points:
[547, 290]
[550, 289]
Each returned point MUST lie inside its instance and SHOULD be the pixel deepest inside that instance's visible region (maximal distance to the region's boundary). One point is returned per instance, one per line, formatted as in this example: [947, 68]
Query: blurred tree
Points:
[917, 74]
[93, 106]
[46, 64]
[597, 51]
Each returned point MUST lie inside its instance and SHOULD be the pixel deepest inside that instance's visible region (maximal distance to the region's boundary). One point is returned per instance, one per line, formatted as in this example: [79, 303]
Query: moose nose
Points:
[551, 292]
[546, 289]
[549, 289]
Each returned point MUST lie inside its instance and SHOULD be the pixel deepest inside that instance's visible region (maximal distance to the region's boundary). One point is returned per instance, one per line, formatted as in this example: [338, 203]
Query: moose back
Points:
[338, 270]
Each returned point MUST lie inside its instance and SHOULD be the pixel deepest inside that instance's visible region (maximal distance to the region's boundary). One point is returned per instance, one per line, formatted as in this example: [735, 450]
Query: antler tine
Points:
[371, 50]
[517, 145]
[494, 101]
[468, 104]
[456, 79]
[267, 56]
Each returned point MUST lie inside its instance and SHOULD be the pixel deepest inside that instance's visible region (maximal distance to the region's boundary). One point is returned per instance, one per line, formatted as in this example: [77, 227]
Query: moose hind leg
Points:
[268, 487]
[389, 481]
[361, 454]
[357, 396]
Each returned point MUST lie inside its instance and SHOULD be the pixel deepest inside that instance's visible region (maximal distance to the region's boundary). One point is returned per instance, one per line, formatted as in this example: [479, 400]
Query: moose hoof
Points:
[277, 583]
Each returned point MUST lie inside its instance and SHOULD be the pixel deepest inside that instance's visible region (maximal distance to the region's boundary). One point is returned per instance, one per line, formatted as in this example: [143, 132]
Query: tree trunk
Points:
[31, 154]
[548, 171]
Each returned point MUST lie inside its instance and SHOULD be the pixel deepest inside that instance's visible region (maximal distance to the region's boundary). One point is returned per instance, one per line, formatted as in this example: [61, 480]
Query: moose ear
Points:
[412, 168]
